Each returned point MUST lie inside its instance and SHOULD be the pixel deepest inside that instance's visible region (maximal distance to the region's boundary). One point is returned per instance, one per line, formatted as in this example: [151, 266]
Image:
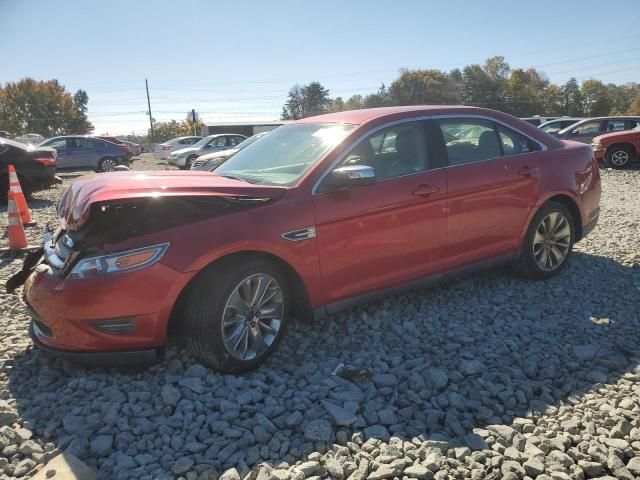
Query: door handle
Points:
[425, 190]
[526, 171]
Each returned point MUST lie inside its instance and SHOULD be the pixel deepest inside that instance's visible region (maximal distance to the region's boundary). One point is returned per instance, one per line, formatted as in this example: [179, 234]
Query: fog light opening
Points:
[114, 326]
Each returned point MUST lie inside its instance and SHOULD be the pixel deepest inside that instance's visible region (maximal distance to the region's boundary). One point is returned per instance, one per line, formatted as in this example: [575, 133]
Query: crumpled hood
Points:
[75, 202]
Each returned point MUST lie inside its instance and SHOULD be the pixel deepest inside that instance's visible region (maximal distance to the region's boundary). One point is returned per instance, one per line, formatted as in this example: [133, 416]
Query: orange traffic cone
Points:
[21, 201]
[17, 238]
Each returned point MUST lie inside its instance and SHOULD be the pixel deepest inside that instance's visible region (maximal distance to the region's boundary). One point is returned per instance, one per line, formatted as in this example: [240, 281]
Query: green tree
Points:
[47, 108]
[523, 93]
[571, 99]
[595, 98]
[477, 87]
[306, 101]
[634, 107]
[416, 87]
[337, 105]
[552, 100]
[379, 99]
[355, 102]
[163, 131]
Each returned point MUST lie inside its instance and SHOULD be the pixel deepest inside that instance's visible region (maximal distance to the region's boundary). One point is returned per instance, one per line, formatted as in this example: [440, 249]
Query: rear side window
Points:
[220, 142]
[470, 140]
[514, 143]
[588, 128]
[95, 143]
[191, 141]
[58, 143]
[616, 126]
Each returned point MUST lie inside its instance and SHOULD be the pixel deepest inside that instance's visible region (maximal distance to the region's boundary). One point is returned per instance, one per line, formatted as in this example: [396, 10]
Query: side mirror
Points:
[353, 176]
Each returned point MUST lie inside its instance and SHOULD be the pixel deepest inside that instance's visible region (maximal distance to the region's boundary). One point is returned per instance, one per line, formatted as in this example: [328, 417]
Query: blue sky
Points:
[237, 60]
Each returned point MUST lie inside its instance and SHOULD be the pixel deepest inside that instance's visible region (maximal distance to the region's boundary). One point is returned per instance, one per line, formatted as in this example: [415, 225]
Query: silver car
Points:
[211, 161]
[586, 130]
[183, 158]
[163, 150]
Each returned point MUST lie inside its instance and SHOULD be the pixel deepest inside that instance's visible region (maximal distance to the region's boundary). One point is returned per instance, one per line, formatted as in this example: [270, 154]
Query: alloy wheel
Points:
[552, 241]
[252, 316]
[108, 165]
[619, 158]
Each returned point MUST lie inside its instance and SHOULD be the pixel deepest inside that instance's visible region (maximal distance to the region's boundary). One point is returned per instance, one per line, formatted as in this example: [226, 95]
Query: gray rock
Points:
[417, 471]
[634, 466]
[472, 367]
[231, 474]
[475, 442]
[384, 380]
[504, 431]
[170, 395]
[294, 419]
[586, 352]
[101, 445]
[311, 468]
[377, 431]
[29, 447]
[340, 416]
[534, 467]
[196, 370]
[8, 414]
[385, 471]
[182, 465]
[318, 430]
[192, 383]
[334, 468]
[437, 378]
[24, 467]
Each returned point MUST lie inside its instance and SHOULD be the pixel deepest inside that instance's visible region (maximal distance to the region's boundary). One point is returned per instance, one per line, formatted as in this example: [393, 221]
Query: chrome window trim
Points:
[339, 158]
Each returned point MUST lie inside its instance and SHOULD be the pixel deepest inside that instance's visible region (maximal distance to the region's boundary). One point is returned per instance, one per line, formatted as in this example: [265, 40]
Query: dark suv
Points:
[36, 167]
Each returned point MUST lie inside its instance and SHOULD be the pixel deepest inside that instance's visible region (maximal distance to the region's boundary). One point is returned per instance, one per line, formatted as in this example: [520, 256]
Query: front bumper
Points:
[134, 358]
[599, 153]
[177, 161]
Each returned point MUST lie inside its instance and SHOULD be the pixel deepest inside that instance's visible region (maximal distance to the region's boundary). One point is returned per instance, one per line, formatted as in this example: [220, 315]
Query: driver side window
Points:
[392, 152]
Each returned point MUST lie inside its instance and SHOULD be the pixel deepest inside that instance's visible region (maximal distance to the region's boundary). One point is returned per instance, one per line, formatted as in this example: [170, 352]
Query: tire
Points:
[210, 299]
[530, 259]
[187, 164]
[618, 156]
[107, 164]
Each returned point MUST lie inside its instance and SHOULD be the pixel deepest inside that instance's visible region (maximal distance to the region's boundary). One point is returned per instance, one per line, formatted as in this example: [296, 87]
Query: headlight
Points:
[121, 262]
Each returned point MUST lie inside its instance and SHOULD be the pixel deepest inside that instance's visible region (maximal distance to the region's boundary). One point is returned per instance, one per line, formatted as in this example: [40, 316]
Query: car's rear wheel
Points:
[618, 156]
[189, 162]
[548, 242]
[236, 314]
[107, 164]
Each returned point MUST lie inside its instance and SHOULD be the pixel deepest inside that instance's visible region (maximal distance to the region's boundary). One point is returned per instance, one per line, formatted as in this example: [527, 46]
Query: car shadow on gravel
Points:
[444, 364]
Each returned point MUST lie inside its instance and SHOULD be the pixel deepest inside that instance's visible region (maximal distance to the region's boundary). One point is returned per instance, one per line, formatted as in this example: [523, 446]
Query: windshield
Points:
[201, 143]
[286, 154]
[249, 141]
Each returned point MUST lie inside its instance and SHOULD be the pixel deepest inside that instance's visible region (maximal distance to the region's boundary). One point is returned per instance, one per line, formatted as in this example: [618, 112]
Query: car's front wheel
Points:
[107, 164]
[189, 162]
[548, 242]
[236, 314]
[618, 156]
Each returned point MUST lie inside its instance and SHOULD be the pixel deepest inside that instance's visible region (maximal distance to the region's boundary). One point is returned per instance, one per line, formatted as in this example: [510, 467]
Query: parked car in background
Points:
[117, 141]
[537, 120]
[35, 166]
[618, 150]
[184, 157]
[4, 134]
[585, 130]
[162, 150]
[320, 215]
[135, 148]
[211, 161]
[86, 152]
[558, 124]
[30, 139]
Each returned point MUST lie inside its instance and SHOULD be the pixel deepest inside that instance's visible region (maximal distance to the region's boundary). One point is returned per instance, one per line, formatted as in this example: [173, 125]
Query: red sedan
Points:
[320, 215]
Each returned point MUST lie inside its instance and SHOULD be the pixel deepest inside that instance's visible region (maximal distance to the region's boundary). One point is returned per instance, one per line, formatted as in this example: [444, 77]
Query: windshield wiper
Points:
[233, 177]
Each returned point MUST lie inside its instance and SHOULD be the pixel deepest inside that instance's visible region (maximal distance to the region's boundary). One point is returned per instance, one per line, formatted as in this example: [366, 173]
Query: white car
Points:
[162, 150]
[184, 157]
[30, 139]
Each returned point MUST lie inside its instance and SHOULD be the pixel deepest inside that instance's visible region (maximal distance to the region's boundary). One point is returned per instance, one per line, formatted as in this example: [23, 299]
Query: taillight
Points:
[125, 149]
[46, 161]
[166, 147]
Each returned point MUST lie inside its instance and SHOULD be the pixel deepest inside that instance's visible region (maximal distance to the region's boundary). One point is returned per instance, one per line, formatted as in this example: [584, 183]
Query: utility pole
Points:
[193, 119]
[146, 82]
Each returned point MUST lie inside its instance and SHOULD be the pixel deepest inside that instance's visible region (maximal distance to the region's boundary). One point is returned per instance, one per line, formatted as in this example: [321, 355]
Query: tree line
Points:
[47, 108]
[494, 85]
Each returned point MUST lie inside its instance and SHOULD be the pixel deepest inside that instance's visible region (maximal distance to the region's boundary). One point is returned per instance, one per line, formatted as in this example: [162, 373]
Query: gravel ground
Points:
[487, 377]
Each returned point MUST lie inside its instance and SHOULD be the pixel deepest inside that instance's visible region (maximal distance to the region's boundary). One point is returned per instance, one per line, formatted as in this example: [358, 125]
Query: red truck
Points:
[619, 149]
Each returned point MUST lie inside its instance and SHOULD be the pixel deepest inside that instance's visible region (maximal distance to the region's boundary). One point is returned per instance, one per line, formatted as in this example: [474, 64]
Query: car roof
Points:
[359, 117]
